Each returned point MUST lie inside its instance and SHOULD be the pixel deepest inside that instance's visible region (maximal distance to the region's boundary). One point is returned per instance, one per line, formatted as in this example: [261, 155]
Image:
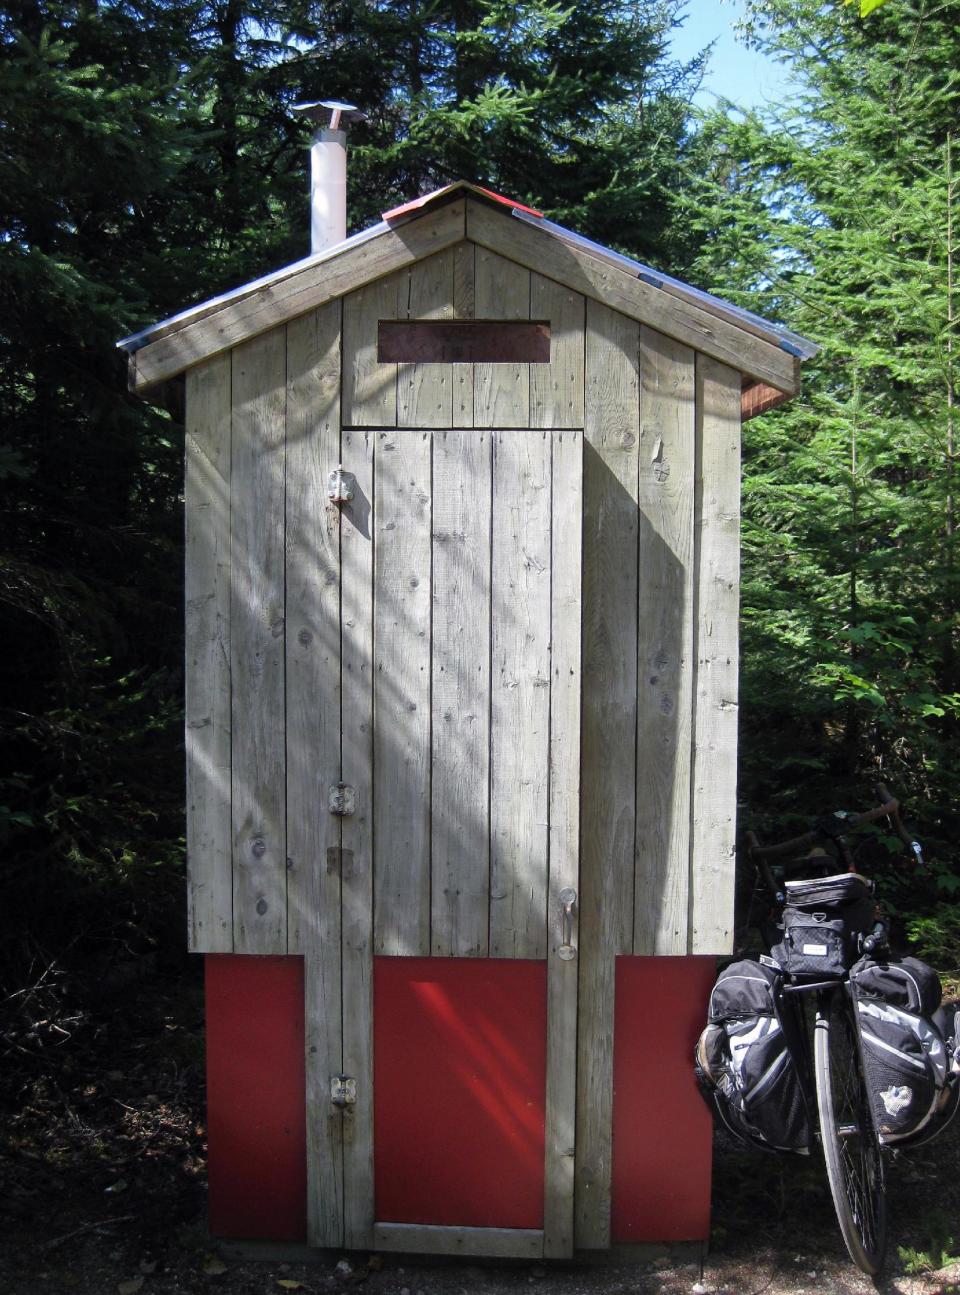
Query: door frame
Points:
[346, 1131]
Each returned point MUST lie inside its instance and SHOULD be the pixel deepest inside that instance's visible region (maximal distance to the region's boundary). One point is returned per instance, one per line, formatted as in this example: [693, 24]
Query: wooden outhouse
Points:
[462, 503]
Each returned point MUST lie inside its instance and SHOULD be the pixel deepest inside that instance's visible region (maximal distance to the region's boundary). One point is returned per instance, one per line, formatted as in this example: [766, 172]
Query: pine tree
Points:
[837, 216]
[578, 110]
[149, 158]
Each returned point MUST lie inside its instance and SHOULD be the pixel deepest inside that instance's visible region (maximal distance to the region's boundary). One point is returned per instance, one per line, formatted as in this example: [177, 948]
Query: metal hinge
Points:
[343, 1091]
[340, 485]
[343, 800]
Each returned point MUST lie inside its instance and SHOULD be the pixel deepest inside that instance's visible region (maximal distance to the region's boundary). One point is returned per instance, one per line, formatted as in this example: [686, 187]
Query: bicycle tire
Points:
[851, 1149]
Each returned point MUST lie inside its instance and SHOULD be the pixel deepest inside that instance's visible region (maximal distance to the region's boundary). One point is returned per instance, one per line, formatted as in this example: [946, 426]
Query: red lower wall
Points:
[256, 1127]
[479, 1035]
[662, 1131]
[460, 1072]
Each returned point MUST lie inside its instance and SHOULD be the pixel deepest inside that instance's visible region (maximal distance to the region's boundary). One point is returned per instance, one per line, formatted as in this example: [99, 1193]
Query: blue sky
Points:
[737, 73]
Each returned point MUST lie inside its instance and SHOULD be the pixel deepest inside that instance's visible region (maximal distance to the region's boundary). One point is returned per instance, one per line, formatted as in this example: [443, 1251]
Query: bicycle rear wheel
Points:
[850, 1146]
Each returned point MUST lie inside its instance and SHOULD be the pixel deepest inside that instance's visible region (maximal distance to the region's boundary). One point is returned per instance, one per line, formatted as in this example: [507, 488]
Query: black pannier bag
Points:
[744, 1066]
[824, 921]
[909, 1045]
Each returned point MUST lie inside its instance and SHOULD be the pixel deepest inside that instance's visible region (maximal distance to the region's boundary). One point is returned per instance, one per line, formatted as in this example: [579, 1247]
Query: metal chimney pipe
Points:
[328, 189]
[328, 170]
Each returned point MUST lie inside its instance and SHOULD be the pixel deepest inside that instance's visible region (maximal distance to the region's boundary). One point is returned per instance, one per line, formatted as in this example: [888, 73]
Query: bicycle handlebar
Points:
[889, 808]
[912, 845]
[877, 939]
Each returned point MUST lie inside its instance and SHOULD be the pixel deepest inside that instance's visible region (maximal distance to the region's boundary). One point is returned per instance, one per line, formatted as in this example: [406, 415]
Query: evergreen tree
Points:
[577, 110]
[838, 215]
[149, 159]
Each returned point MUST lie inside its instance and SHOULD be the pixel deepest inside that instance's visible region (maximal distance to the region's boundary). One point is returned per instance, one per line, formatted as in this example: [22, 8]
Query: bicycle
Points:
[832, 1073]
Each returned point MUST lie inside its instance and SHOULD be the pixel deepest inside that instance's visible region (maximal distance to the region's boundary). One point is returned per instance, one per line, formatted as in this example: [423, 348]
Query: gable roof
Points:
[767, 354]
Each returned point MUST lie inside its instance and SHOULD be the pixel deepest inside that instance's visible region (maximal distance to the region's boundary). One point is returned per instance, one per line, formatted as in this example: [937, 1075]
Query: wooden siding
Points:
[659, 559]
[717, 537]
[207, 598]
[610, 470]
[312, 638]
[464, 282]
[426, 644]
[257, 645]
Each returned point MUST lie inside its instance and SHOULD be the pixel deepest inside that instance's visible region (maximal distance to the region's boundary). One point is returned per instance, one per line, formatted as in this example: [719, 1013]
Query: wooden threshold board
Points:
[420, 1238]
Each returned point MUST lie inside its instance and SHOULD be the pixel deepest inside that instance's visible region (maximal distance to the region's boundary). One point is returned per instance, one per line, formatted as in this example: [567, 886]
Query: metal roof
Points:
[778, 335]
[169, 325]
[791, 342]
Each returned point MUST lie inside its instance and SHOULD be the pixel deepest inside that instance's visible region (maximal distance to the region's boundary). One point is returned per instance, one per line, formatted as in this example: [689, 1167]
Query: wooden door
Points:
[460, 620]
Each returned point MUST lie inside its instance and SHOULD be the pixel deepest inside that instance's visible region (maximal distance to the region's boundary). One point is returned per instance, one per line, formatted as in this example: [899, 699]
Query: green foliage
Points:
[576, 109]
[941, 1250]
[837, 214]
[866, 6]
[149, 159]
[937, 936]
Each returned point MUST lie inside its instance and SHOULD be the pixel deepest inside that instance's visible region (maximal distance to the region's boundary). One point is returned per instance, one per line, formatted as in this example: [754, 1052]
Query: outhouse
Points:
[462, 511]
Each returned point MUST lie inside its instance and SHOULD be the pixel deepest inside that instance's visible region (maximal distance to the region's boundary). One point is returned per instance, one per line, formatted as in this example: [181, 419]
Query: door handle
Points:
[568, 897]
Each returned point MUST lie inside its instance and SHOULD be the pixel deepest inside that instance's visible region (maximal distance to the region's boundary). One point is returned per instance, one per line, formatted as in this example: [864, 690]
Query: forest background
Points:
[149, 159]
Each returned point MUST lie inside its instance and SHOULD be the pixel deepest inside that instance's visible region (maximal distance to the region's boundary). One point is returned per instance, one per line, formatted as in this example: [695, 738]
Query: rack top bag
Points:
[846, 895]
[824, 919]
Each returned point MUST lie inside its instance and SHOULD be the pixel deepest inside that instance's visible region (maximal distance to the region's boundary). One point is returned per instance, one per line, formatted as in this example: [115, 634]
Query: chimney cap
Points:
[330, 114]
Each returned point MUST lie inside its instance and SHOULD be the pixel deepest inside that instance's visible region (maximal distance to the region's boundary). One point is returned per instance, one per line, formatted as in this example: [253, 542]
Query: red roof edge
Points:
[425, 199]
[508, 202]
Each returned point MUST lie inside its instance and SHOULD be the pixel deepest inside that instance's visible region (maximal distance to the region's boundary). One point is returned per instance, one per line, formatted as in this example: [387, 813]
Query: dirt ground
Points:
[102, 1183]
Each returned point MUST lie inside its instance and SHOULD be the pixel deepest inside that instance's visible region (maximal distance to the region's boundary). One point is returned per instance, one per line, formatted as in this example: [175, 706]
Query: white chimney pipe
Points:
[328, 189]
[328, 170]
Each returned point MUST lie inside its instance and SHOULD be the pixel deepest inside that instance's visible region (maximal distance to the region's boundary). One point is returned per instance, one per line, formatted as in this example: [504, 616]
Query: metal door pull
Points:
[568, 897]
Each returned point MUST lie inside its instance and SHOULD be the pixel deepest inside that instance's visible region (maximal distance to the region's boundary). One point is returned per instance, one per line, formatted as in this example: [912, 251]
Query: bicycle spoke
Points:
[851, 1150]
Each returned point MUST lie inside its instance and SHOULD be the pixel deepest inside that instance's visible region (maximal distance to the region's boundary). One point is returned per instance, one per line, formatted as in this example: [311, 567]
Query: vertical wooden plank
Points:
[313, 740]
[370, 388]
[425, 391]
[612, 418]
[461, 694]
[556, 389]
[565, 681]
[257, 648]
[356, 566]
[501, 396]
[401, 693]
[207, 597]
[665, 629]
[717, 536]
[520, 694]
[464, 296]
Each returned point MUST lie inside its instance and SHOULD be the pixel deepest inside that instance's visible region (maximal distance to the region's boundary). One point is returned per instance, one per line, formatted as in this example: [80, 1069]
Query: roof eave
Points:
[438, 220]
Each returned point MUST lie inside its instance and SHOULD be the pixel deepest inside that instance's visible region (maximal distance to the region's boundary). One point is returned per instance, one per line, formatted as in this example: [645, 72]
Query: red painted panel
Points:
[662, 1131]
[256, 1127]
[460, 1064]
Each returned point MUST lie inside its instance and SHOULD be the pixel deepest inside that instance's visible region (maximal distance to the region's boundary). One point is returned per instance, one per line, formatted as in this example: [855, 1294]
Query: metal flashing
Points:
[792, 343]
[135, 341]
[458, 186]
[800, 347]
